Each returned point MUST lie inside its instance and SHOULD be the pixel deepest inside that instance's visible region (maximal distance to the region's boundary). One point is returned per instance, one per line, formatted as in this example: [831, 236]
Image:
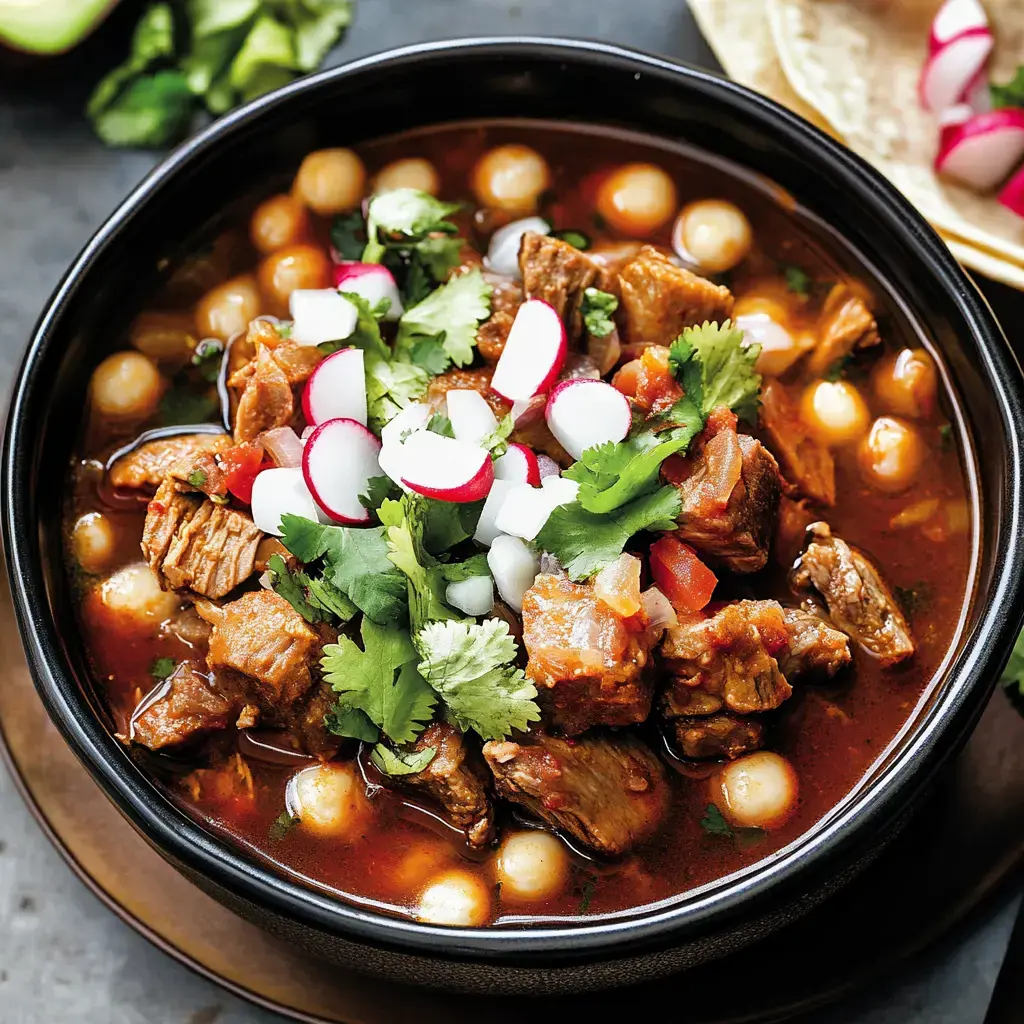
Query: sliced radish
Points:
[471, 417]
[371, 281]
[1012, 194]
[950, 72]
[526, 509]
[340, 457]
[319, 315]
[518, 464]
[474, 596]
[534, 352]
[486, 530]
[445, 468]
[336, 389]
[413, 417]
[981, 152]
[276, 492]
[514, 566]
[583, 413]
[954, 18]
[503, 252]
[547, 466]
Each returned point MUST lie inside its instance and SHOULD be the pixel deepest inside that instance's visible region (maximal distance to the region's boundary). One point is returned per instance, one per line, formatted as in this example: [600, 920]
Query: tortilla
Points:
[857, 63]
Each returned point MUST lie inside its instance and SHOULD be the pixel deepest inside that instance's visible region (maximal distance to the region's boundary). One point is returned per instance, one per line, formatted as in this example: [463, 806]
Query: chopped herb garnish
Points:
[284, 330]
[401, 762]
[378, 488]
[597, 309]
[1010, 94]
[197, 478]
[714, 824]
[946, 437]
[352, 724]
[440, 424]
[587, 887]
[837, 371]
[914, 599]
[315, 599]
[577, 239]
[348, 235]
[162, 668]
[181, 405]
[207, 357]
[281, 826]
[797, 279]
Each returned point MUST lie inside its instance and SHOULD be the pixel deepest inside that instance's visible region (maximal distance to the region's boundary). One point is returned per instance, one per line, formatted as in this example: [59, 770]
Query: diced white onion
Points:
[282, 444]
[503, 252]
[474, 596]
[319, 315]
[514, 566]
[276, 492]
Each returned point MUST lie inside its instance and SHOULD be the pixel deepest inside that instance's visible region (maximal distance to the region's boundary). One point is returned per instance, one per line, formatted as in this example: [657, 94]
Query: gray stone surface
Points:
[63, 956]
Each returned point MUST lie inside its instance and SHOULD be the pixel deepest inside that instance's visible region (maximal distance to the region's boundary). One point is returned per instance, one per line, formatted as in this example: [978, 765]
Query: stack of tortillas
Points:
[852, 67]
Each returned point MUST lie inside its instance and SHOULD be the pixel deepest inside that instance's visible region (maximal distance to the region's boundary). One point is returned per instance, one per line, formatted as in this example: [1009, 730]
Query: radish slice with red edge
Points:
[982, 151]
[319, 315]
[445, 468]
[472, 419]
[371, 281]
[518, 464]
[277, 492]
[1012, 194]
[534, 352]
[954, 18]
[951, 72]
[340, 457]
[336, 389]
[584, 413]
[547, 466]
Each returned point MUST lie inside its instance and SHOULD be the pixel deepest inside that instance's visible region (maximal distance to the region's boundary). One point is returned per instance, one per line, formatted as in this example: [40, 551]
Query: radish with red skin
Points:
[319, 315]
[983, 150]
[583, 413]
[546, 466]
[954, 18]
[534, 353]
[340, 457]
[1012, 194]
[952, 71]
[336, 389]
[518, 464]
[371, 281]
[277, 492]
[445, 468]
[472, 419]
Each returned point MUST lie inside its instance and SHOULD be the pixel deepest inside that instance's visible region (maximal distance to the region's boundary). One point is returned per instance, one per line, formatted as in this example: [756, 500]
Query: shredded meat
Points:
[815, 648]
[730, 502]
[845, 324]
[457, 779]
[859, 602]
[659, 299]
[492, 335]
[471, 380]
[608, 791]
[264, 640]
[806, 465]
[793, 520]
[727, 660]
[559, 274]
[146, 467]
[168, 510]
[588, 666]
[718, 735]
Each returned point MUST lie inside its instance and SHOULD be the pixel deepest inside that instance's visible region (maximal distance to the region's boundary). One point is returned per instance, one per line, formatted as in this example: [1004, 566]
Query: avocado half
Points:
[49, 26]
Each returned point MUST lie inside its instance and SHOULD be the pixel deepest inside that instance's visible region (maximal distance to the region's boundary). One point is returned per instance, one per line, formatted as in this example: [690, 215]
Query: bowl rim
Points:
[201, 853]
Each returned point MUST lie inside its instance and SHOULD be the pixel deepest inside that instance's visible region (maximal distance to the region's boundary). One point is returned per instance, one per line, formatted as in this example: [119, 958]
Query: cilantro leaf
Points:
[444, 524]
[715, 366]
[456, 572]
[449, 316]
[1011, 93]
[182, 405]
[348, 235]
[577, 239]
[162, 668]
[584, 542]
[352, 724]
[405, 213]
[380, 680]
[357, 564]
[377, 489]
[316, 600]
[714, 822]
[797, 279]
[472, 666]
[281, 826]
[597, 308]
[496, 442]
[196, 478]
[440, 424]
[429, 353]
[207, 357]
[401, 762]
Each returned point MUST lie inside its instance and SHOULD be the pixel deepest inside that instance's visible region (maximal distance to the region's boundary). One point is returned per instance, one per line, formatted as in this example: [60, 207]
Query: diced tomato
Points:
[625, 380]
[241, 465]
[675, 469]
[680, 575]
[720, 418]
[656, 388]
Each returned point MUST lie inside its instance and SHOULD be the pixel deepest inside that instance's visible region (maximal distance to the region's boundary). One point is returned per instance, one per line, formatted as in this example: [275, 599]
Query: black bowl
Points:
[567, 81]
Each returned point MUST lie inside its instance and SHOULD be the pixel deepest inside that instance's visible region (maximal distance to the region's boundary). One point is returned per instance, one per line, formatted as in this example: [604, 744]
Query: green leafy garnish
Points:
[714, 824]
[348, 235]
[797, 279]
[162, 668]
[440, 424]
[716, 367]
[472, 666]
[588, 885]
[456, 572]
[915, 599]
[281, 826]
[946, 437]
[584, 541]
[381, 680]
[1011, 93]
[597, 308]
[577, 239]
[496, 442]
[197, 478]
[448, 318]
[401, 762]
[352, 724]
[208, 356]
[429, 354]
[182, 405]
[315, 599]
[837, 371]
[377, 489]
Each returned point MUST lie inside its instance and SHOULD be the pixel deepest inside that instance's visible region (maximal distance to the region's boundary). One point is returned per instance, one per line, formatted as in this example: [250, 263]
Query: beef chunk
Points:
[146, 467]
[266, 400]
[470, 380]
[588, 666]
[717, 736]
[181, 708]
[608, 791]
[845, 324]
[659, 299]
[727, 660]
[305, 721]
[807, 465]
[730, 502]
[169, 510]
[794, 518]
[859, 602]
[506, 293]
[559, 274]
[457, 779]
[492, 335]
[815, 648]
[266, 642]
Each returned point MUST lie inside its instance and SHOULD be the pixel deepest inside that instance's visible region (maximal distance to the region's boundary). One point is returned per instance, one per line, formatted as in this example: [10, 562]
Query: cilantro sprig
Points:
[597, 308]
